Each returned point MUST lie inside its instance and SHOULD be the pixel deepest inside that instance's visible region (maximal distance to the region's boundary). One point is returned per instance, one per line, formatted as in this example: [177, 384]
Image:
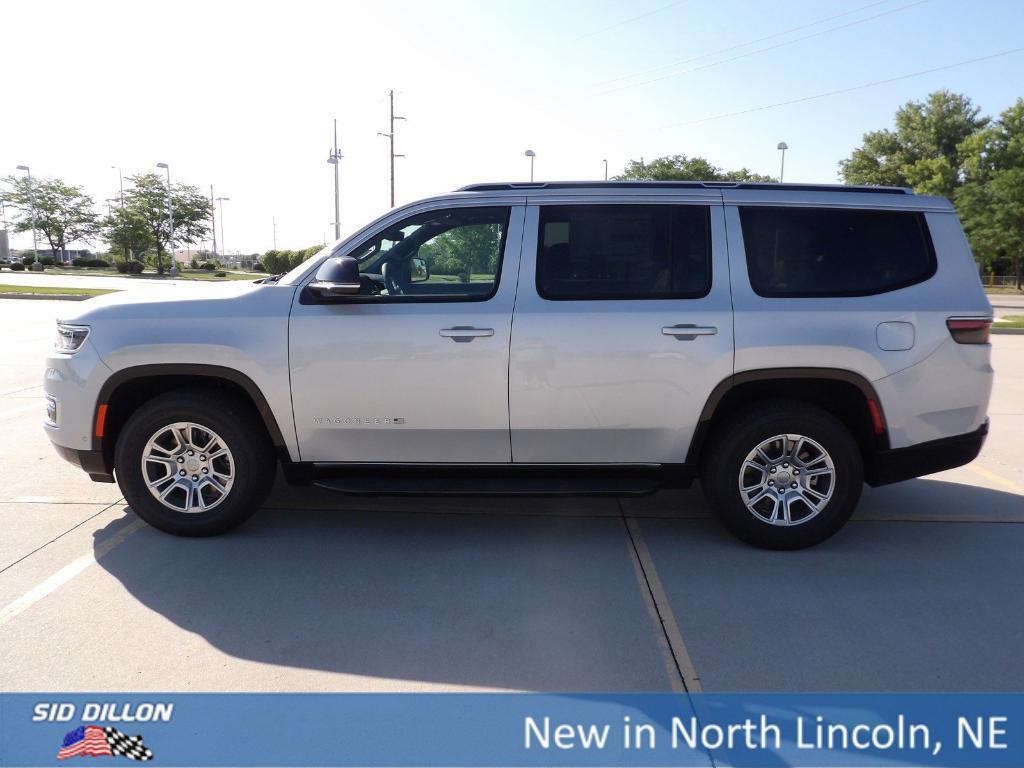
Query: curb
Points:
[49, 296]
[1007, 331]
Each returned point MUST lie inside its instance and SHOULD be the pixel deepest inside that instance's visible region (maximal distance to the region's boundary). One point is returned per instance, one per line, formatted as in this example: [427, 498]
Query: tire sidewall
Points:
[235, 426]
[743, 435]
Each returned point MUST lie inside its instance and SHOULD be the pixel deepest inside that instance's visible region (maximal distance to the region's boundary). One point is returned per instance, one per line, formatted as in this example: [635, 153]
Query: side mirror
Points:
[337, 277]
[419, 272]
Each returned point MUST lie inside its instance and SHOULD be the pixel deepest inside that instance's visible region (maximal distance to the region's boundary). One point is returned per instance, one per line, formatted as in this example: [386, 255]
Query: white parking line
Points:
[65, 574]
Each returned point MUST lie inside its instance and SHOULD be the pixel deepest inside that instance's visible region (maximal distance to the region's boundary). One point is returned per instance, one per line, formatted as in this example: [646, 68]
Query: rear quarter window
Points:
[816, 252]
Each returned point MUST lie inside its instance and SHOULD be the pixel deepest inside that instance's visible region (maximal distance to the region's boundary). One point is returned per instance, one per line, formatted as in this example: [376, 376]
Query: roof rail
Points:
[767, 186]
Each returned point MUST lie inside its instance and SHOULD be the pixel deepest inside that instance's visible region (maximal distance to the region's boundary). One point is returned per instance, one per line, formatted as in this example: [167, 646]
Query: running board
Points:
[420, 480]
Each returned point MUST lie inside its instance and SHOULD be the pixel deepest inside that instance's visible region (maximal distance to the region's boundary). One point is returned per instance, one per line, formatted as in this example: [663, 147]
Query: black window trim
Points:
[922, 220]
[309, 297]
[706, 205]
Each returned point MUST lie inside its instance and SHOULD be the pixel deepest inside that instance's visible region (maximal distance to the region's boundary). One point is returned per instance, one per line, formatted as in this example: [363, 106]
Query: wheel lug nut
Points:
[796, 471]
[793, 485]
[206, 471]
[182, 472]
[202, 457]
[771, 482]
[773, 470]
[195, 477]
[181, 459]
[785, 466]
[191, 453]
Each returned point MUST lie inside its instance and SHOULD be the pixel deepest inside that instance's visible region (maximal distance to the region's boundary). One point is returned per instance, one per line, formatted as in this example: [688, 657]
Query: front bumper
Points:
[91, 461]
[898, 464]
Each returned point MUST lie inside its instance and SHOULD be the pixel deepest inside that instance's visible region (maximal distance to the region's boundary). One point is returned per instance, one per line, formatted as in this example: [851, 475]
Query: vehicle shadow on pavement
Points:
[493, 601]
[508, 594]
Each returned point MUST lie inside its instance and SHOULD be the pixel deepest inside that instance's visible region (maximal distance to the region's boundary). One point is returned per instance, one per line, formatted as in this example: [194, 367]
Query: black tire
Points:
[239, 427]
[742, 433]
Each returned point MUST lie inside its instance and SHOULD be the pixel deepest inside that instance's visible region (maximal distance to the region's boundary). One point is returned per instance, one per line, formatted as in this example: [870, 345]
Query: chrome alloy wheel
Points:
[787, 480]
[188, 467]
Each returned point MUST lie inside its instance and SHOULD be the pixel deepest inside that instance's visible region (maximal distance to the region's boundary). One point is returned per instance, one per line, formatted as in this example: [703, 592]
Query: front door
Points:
[623, 326]
[414, 369]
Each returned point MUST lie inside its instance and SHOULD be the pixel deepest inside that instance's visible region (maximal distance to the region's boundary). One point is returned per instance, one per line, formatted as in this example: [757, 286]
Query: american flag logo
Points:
[97, 741]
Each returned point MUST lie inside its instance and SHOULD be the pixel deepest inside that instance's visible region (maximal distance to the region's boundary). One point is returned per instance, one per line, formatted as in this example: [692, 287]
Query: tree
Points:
[463, 251]
[146, 202]
[64, 213]
[127, 230]
[683, 168]
[991, 200]
[925, 151]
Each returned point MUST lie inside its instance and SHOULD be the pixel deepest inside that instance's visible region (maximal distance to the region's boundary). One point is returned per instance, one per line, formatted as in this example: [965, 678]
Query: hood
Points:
[167, 301]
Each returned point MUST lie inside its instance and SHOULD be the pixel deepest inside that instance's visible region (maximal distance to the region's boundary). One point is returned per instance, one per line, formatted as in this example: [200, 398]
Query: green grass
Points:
[150, 274]
[52, 289]
[1010, 321]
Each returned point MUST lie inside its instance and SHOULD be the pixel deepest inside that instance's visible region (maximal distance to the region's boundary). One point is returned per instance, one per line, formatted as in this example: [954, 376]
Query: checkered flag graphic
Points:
[127, 746]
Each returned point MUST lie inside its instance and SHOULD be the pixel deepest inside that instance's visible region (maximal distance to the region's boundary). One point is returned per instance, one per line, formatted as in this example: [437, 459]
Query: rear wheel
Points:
[194, 462]
[783, 474]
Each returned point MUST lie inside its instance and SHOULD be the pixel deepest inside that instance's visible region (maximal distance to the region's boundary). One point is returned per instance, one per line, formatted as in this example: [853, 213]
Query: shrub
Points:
[17, 267]
[209, 266]
[129, 267]
[258, 267]
[220, 274]
[26, 260]
[80, 262]
[193, 264]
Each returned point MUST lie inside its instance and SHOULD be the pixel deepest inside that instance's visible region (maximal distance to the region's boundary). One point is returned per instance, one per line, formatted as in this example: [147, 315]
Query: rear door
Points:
[622, 327]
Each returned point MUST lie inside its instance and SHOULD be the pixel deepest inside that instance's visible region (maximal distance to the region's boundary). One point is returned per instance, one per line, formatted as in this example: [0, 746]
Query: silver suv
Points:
[782, 343]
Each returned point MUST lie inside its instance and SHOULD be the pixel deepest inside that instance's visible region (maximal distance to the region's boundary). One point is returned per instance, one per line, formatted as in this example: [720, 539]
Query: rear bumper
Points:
[898, 464]
[90, 461]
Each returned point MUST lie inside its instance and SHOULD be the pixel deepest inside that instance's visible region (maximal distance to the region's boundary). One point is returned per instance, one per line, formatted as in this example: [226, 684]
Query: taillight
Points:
[969, 330]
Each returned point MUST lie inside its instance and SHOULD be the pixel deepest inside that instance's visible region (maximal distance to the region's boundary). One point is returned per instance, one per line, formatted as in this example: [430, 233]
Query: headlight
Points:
[70, 337]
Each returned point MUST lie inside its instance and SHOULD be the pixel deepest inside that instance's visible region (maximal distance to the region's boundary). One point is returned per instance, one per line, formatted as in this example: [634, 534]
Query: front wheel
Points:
[783, 474]
[194, 462]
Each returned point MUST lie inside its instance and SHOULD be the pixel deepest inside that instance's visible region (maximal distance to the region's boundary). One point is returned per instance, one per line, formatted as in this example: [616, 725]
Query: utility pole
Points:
[274, 220]
[334, 158]
[391, 138]
[213, 222]
[223, 245]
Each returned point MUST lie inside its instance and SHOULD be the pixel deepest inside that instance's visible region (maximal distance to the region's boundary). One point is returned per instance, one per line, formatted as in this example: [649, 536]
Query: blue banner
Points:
[499, 730]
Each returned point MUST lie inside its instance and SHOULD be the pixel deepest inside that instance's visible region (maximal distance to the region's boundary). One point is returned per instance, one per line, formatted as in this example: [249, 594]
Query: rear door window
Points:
[806, 252]
[588, 252]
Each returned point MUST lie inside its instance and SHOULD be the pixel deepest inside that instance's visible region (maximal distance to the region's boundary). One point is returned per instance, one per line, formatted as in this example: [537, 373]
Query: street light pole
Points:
[334, 157]
[36, 266]
[391, 138]
[120, 180]
[223, 242]
[273, 219]
[170, 212]
[782, 147]
[213, 222]
[531, 154]
[605, 170]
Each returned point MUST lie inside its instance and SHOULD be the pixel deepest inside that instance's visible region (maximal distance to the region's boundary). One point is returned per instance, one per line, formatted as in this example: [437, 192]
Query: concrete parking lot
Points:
[920, 592]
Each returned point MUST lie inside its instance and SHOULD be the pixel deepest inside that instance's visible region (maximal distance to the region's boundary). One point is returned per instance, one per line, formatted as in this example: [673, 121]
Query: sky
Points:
[242, 95]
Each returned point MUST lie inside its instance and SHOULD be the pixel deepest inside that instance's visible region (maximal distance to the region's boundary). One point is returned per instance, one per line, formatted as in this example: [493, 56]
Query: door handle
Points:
[688, 331]
[465, 333]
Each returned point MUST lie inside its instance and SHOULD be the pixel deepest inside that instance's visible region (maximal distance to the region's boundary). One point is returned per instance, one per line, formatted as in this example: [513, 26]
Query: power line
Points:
[847, 90]
[631, 19]
[769, 48]
[700, 56]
